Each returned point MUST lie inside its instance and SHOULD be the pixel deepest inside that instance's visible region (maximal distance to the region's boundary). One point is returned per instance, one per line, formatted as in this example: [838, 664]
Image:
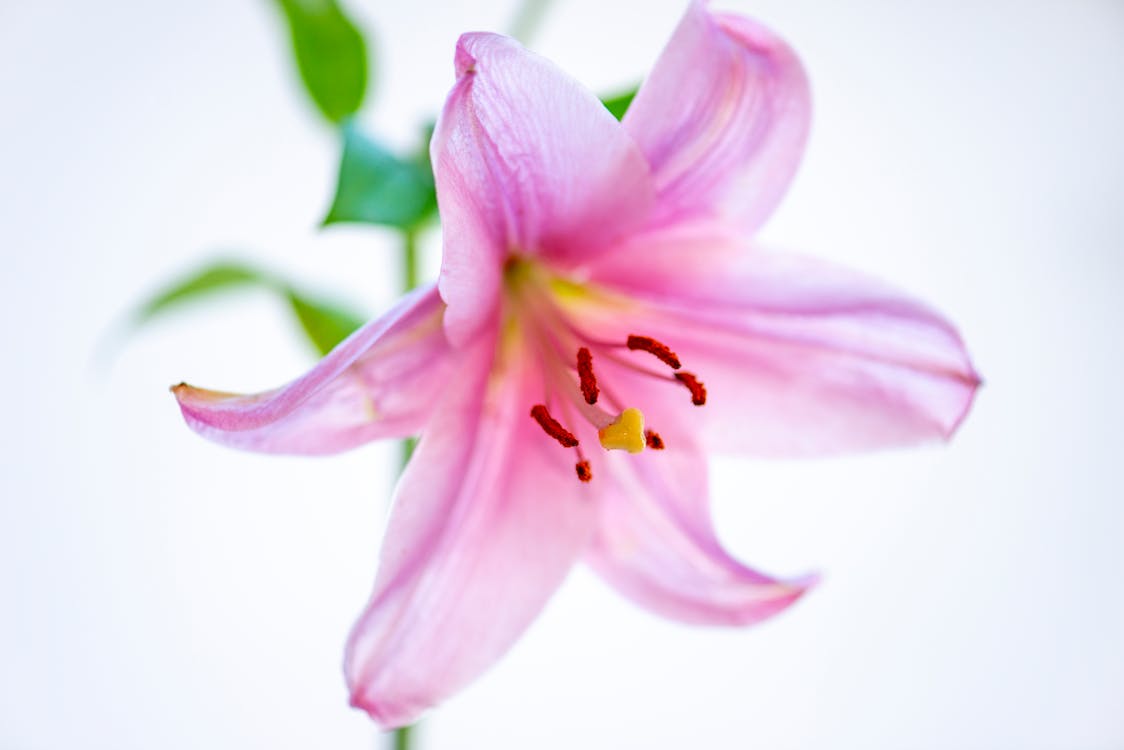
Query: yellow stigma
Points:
[627, 433]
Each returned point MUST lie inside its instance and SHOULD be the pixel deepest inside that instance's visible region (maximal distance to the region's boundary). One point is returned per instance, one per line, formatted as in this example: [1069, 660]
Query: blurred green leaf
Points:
[324, 323]
[221, 276]
[618, 103]
[331, 55]
[377, 187]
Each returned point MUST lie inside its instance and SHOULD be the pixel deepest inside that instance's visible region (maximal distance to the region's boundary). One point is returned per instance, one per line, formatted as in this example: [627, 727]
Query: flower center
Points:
[566, 354]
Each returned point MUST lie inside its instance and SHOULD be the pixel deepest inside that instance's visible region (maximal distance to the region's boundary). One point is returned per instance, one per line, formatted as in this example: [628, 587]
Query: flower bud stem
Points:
[403, 736]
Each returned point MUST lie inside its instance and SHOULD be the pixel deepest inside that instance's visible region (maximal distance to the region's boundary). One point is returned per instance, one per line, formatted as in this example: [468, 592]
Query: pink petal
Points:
[487, 521]
[722, 119]
[526, 161]
[656, 545]
[380, 382]
[798, 357]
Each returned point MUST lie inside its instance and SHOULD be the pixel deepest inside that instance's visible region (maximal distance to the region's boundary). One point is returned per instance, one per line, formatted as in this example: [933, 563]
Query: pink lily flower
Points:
[602, 320]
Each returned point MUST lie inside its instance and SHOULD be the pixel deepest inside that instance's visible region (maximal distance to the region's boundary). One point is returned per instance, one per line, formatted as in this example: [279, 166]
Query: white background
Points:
[160, 592]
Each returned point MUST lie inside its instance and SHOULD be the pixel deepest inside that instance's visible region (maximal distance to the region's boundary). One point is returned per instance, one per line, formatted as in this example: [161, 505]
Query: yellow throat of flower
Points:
[547, 322]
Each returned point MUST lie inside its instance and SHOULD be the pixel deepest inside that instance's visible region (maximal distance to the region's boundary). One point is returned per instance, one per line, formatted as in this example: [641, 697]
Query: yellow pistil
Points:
[626, 433]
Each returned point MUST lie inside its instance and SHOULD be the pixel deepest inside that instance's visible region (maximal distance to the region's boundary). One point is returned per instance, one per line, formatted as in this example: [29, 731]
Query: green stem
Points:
[409, 259]
[402, 738]
[408, 446]
[409, 281]
[404, 735]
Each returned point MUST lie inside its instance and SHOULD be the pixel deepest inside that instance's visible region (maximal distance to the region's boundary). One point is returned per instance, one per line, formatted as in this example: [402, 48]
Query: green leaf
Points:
[618, 103]
[324, 323]
[219, 277]
[331, 55]
[377, 187]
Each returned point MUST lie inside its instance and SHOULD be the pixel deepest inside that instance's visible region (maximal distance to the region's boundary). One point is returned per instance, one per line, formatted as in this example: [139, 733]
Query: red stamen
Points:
[551, 427]
[697, 389]
[584, 474]
[653, 439]
[585, 375]
[653, 347]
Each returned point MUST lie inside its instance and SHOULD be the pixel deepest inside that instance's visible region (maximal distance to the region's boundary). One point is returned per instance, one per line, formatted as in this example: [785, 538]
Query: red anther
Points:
[697, 389]
[659, 350]
[551, 427]
[653, 439]
[584, 474]
[585, 375]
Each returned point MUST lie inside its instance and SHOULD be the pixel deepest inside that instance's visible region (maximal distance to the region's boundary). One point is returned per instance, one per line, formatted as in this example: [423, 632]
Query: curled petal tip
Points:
[805, 583]
[973, 377]
[185, 392]
[723, 118]
[782, 596]
[386, 719]
[770, 601]
[463, 60]
[192, 398]
[973, 382]
[473, 45]
[354, 395]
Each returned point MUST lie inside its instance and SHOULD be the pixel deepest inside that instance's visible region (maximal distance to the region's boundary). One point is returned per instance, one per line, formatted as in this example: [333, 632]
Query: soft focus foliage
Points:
[331, 55]
[618, 103]
[377, 187]
[218, 277]
[324, 323]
